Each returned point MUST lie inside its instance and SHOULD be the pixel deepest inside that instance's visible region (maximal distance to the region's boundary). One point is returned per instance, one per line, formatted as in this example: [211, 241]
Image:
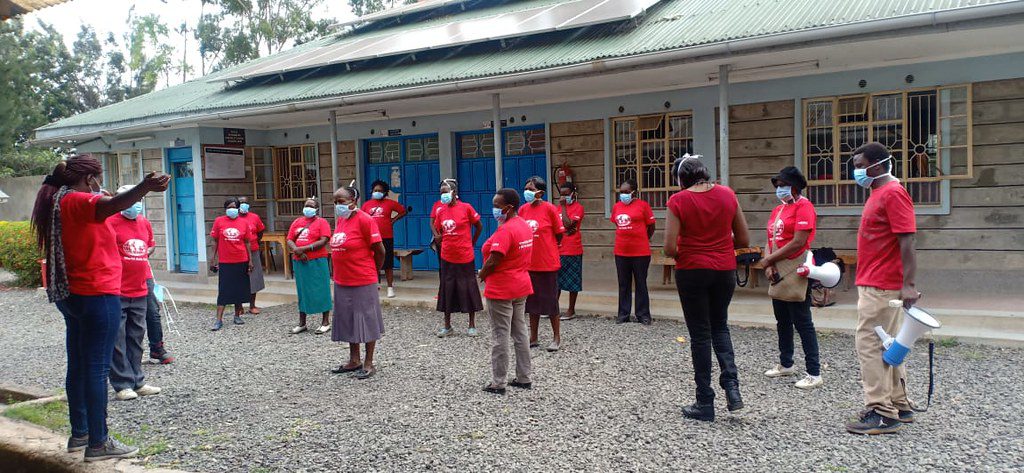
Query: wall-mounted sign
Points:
[224, 163]
[490, 123]
[234, 136]
[395, 132]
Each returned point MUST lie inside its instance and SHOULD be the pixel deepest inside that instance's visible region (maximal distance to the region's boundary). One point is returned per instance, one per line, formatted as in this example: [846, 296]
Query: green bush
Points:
[19, 254]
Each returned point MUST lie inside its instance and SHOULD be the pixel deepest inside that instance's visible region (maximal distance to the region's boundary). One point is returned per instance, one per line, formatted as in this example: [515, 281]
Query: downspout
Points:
[723, 123]
[333, 119]
[498, 146]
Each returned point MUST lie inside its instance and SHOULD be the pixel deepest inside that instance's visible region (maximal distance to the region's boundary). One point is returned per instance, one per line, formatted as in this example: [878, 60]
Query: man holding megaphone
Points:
[886, 265]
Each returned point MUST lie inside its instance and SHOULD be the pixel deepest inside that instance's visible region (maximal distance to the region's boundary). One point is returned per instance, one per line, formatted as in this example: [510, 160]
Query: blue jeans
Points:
[154, 331]
[92, 325]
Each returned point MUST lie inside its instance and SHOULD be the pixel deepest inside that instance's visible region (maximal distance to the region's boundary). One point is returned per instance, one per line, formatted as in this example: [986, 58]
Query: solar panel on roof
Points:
[572, 14]
[423, 5]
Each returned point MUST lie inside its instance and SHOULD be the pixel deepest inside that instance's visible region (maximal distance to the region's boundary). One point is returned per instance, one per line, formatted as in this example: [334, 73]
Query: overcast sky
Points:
[108, 16]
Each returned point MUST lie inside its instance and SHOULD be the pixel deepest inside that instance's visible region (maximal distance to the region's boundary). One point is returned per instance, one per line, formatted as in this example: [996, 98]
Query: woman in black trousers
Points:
[704, 226]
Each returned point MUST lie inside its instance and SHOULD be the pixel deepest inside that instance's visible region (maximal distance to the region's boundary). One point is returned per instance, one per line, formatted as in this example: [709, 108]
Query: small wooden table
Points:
[405, 263]
[281, 238]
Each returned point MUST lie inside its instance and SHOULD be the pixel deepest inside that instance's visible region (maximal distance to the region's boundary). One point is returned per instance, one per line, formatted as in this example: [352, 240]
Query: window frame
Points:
[638, 141]
[282, 167]
[256, 183]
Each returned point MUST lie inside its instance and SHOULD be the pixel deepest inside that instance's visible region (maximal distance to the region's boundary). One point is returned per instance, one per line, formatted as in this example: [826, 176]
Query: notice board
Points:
[224, 163]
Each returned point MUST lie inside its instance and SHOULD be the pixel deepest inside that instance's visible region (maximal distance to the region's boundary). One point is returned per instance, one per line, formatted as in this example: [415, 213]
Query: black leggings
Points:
[797, 314]
[705, 295]
[632, 271]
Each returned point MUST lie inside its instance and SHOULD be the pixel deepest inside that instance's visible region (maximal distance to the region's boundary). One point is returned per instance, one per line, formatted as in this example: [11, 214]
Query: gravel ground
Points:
[254, 398]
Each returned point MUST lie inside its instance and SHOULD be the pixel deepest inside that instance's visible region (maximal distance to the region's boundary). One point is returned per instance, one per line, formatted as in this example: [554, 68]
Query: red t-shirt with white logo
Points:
[90, 248]
[542, 217]
[455, 222]
[705, 238]
[230, 234]
[134, 239]
[382, 211]
[511, 278]
[631, 223]
[572, 245]
[786, 220]
[303, 236]
[351, 252]
[257, 226]
[888, 213]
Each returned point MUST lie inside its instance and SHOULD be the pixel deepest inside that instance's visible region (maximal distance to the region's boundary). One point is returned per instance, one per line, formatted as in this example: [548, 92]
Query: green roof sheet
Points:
[671, 24]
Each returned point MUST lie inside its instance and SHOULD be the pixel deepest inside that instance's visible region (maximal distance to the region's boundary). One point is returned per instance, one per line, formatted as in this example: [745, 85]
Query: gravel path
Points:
[254, 398]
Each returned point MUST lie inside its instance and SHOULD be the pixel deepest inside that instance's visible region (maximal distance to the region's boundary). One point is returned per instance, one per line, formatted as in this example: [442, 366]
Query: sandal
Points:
[345, 369]
[364, 374]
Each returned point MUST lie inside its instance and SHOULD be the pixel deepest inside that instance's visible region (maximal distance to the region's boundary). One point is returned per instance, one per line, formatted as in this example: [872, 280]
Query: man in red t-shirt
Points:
[886, 265]
[385, 212]
[256, 283]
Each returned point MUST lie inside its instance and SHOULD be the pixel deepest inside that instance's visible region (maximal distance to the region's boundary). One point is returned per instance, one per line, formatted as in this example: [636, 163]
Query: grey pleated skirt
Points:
[357, 314]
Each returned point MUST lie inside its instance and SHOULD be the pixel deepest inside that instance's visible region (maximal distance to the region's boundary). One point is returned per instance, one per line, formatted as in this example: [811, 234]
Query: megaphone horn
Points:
[916, 322]
[827, 274]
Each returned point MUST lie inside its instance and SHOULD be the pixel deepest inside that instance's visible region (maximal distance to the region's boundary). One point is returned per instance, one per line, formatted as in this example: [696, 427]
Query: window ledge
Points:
[918, 210]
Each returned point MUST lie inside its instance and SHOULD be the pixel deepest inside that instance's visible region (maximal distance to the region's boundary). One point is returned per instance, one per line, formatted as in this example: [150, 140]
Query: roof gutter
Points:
[600, 66]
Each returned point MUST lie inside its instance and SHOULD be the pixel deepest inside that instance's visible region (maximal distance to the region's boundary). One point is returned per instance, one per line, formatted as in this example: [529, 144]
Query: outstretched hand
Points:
[156, 182]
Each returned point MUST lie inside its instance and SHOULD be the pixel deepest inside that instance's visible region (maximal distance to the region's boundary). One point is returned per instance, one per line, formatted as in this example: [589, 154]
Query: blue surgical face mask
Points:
[569, 200]
[243, 208]
[499, 215]
[232, 213]
[625, 198]
[784, 193]
[378, 195]
[309, 212]
[864, 180]
[529, 196]
[447, 197]
[133, 211]
[342, 210]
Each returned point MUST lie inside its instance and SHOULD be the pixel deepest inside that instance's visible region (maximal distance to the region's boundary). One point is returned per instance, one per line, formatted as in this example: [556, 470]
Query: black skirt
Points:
[459, 291]
[544, 300]
[233, 283]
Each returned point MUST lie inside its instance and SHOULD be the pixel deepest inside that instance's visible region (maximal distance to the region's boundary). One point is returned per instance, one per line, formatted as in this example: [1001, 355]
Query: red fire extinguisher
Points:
[563, 174]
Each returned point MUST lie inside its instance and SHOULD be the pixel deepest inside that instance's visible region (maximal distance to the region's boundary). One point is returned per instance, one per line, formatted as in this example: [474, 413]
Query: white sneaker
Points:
[147, 390]
[779, 371]
[391, 293]
[126, 395]
[810, 382]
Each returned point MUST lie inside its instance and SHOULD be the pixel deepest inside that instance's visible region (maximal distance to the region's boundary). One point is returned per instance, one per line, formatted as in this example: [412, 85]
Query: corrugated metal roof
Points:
[9, 8]
[673, 24]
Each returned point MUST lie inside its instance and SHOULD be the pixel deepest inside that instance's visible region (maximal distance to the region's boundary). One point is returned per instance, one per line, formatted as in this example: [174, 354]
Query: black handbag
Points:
[745, 258]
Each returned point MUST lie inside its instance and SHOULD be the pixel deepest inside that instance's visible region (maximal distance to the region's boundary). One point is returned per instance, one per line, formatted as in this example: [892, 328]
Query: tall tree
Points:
[365, 7]
[257, 27]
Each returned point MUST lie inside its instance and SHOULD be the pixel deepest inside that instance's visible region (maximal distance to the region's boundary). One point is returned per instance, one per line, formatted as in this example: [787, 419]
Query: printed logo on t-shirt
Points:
[338, 240]
[448, 226]
[525, 244]
[777, 227]
[134, 250]
[377, 212]
[303, 235]
[623, 221]
[533, 225]
[231, 234]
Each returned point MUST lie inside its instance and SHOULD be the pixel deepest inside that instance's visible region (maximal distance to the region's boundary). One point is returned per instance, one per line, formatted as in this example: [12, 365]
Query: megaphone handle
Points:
[895, 303]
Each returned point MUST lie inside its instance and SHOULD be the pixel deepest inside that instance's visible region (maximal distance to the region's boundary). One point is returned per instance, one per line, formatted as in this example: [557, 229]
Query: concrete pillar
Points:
[723, 121]
[498, 148]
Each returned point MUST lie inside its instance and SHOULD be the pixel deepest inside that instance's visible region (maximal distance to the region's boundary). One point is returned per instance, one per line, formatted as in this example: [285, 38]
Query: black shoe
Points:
[906, 417]
[646, 321]
[494, 390]
[733, 400]
[873, 423]
[698, 411]
[516, 384]
[342, 369]
[621, 320]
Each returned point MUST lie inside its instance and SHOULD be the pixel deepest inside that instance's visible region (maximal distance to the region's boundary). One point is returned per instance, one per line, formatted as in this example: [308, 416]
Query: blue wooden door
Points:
[186, 255]
[410, 166]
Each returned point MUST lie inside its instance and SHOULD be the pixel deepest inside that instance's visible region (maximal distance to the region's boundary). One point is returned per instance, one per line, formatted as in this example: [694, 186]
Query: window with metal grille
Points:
[644, 148]
[928, 132]
[295, 168]
[262, 172]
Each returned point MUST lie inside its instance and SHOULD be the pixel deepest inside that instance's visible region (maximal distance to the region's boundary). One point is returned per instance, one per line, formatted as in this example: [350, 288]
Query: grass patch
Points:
[947, 342]
[52, 415]
[155, 448]
[975, 355]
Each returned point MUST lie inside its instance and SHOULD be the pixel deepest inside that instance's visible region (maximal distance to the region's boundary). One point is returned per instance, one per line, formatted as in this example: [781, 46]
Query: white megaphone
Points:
[827, 274]
[916, 323]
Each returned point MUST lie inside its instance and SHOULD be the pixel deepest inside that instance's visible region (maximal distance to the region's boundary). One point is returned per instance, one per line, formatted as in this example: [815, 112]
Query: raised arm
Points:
[108, 206]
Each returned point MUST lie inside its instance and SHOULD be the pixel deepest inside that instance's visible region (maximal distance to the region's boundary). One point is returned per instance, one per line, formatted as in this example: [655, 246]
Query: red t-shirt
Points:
[888, 213]
[318, 229]
[631, 222]
[572, 245]
[382, 211]
[230, 234]
[257, 226]
[705, 228]
[545, 222]
[90, 248]
[455, 222]
[351, 252]
[786, 220]
[134, 239]
[511, 278]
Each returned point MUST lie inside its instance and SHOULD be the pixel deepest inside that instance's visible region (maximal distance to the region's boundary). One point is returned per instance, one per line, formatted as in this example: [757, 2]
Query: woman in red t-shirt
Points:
[307, 242]
[543, 219]
[634, 227]
[570, 275]
[356, 253]
[386, 212]
[791, 229]
[458, 227]
[507, 258]
[704, 226]
[84, 281]
[231, 237]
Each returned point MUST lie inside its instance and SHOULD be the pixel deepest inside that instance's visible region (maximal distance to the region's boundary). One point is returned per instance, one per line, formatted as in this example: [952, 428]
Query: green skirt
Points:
[313, 284]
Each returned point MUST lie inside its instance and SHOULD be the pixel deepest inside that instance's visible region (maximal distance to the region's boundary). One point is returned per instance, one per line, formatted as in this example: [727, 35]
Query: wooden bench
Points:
[668, 265]
[405, 263]
[849, 261]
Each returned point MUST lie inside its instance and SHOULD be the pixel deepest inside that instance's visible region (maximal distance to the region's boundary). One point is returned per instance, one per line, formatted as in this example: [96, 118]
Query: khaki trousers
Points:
[884, 386]
[509, 316]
